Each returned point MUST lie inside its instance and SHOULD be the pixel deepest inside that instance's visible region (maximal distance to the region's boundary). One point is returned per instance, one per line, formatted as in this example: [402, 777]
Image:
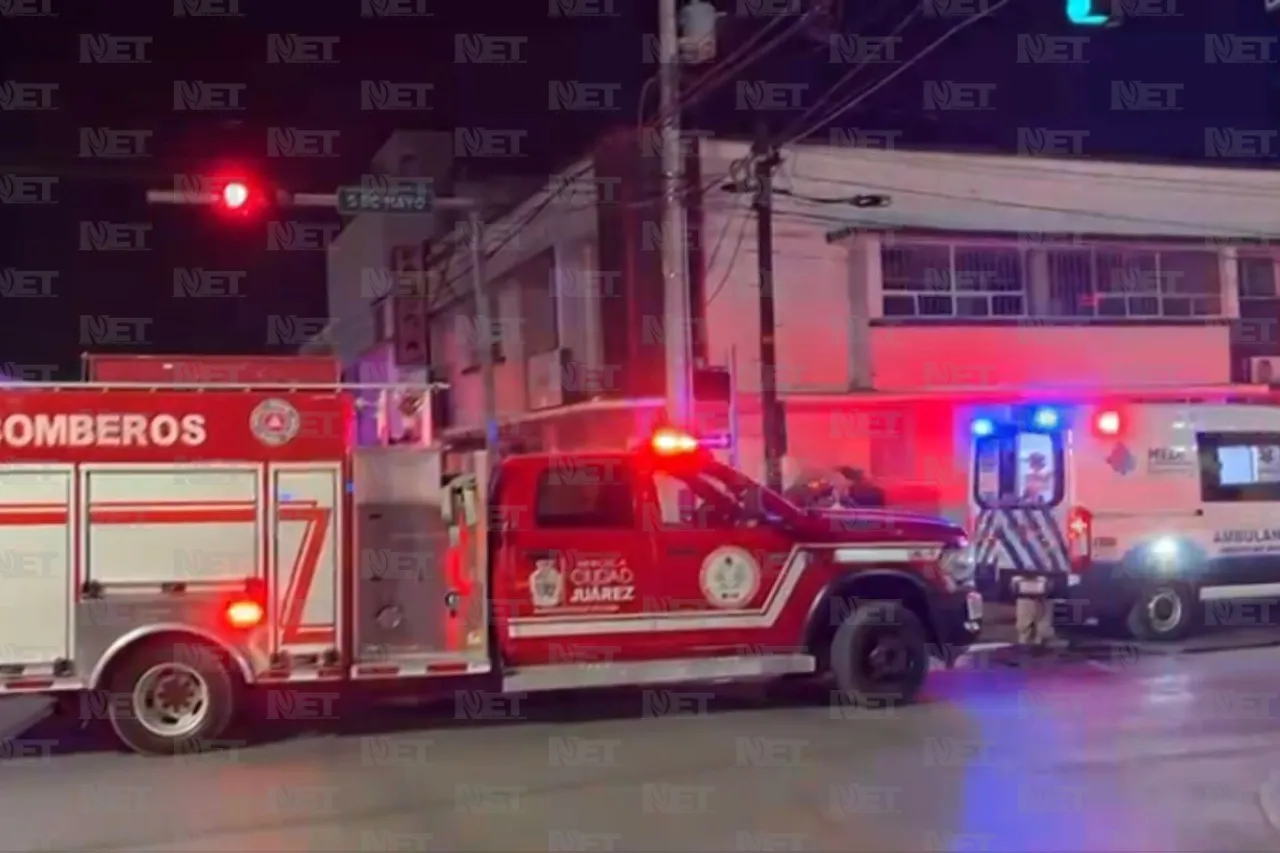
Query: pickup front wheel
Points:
[880, 654]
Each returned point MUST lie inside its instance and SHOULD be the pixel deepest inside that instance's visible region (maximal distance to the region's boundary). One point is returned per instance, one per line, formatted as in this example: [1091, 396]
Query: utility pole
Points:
[677, 333]
[774, 425]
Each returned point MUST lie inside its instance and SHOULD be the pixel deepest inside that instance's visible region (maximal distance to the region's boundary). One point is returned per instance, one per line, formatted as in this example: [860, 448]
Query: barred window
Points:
[930, 280]
[1114, 282]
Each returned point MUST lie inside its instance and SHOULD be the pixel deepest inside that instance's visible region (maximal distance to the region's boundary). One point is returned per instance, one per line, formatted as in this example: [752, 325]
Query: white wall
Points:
[568, 225]
[361, 246]
[965, 192]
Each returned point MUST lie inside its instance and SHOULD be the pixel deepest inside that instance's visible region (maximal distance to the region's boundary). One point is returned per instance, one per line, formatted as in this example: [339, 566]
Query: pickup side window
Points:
[1239, 467]
[566, 499]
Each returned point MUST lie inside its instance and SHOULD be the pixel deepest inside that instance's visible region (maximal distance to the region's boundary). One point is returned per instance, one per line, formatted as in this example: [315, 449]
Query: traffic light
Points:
[239, 197]
[235, 195]
[1082, 13]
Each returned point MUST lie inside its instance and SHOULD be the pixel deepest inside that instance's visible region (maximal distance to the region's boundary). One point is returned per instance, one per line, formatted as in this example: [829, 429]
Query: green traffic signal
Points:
[1081, 14]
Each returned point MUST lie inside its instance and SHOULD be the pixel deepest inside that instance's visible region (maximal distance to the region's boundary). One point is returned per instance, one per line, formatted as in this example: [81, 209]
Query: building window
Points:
[929, 280]
[1257, 277]
[1133, 283]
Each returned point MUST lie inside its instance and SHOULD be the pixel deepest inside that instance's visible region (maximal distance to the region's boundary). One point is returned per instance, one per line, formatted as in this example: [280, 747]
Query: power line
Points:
[848, 76]
[736, 62]
[925, 51]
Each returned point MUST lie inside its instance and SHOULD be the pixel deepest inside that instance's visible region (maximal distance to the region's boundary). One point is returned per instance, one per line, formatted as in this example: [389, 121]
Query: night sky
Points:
[122, 77]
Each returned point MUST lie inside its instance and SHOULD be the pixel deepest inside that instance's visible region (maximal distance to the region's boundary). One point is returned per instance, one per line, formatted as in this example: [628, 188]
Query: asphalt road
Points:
[1173, 753]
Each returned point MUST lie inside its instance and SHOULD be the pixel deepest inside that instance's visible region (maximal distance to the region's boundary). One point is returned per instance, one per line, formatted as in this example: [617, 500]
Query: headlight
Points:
[959, 563]
[1164, 553]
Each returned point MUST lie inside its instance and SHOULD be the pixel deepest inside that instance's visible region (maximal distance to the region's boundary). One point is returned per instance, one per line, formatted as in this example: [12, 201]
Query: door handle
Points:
[681, 552]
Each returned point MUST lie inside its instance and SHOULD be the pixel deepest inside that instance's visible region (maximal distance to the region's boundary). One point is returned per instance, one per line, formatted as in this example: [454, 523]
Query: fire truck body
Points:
[212, 369]
[170, 548]
[128, 512]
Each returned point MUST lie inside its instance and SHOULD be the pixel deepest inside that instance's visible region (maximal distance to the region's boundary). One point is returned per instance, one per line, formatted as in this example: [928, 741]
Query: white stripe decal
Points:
[1242, 591]
[709, 619]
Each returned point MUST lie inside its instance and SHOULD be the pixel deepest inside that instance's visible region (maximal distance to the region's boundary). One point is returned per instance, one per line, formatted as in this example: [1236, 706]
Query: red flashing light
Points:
[244, 614]
[672, 442]
[235, 195]
[1080, 537]
[1107, 423]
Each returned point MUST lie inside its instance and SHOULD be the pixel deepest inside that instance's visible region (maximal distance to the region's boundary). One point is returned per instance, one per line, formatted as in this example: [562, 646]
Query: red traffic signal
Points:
[235, 195]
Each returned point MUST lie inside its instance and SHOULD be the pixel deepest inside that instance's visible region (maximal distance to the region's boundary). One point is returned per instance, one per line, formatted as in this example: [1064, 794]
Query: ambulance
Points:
[170, 549]
[1156, 511]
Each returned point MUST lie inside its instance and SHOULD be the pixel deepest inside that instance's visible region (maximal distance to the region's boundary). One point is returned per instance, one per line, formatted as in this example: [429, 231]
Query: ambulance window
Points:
[1018, 469]
[1239, 467]
[568, 500]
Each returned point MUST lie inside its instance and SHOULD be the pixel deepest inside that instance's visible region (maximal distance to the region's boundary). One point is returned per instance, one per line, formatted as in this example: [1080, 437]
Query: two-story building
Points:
[984, 271]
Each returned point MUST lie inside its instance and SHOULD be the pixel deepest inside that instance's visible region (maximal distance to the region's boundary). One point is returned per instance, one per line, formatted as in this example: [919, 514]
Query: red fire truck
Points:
[170, 550]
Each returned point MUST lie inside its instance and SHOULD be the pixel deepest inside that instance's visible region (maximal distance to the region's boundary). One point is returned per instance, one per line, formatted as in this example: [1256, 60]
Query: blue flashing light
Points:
[1080, 13]
[1045, 418]
[982, 427]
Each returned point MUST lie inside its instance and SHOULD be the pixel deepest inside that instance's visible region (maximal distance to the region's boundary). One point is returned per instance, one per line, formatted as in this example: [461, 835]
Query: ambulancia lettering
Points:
[102, 430]
[1246, 537]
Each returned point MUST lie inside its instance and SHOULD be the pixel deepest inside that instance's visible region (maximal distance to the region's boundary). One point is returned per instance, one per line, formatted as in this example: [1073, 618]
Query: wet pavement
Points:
[1167, 753]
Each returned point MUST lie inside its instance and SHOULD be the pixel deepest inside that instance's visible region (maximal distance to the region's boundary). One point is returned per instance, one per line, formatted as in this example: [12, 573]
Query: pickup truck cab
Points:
[665, 565]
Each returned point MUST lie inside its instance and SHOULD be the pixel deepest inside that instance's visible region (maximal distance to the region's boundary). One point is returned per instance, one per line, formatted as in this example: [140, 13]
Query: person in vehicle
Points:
[840, 487]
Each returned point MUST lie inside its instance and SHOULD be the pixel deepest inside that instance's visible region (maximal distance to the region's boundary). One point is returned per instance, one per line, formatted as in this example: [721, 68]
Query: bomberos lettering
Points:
[110, 429]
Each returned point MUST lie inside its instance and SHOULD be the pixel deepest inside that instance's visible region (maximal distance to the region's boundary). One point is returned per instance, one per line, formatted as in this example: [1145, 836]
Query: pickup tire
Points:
[880, 654]
[171, 696]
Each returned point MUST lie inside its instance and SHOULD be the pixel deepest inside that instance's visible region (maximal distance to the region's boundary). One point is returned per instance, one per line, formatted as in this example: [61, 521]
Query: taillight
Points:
[245, 613]
[1080, 537]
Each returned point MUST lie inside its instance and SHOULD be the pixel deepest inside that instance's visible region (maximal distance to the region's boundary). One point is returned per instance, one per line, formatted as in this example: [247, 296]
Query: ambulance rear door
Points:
[1018, 494]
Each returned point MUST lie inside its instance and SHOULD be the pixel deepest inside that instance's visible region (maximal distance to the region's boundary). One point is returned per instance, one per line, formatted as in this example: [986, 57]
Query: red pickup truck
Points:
[666, 565]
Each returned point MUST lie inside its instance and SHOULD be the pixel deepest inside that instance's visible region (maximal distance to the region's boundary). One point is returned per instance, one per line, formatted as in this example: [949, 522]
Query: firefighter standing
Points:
[1033, 610]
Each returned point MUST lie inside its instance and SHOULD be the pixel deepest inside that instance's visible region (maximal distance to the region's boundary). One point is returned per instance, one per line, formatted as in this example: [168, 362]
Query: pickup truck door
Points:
[716, 576]
[578, 569]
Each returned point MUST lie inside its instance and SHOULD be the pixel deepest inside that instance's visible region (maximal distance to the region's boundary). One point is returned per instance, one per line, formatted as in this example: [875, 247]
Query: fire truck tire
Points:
[1162, 612]
[171, 697]
[880, 654]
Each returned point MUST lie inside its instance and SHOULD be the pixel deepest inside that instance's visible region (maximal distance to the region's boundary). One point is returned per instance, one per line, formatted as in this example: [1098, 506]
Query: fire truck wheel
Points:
[171, 697]
[1162, 612]
[880, 654]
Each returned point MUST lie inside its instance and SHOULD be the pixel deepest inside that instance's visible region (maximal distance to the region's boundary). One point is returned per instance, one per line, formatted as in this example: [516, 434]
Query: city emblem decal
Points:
[275, 422]
[730, 578]
[546, 585]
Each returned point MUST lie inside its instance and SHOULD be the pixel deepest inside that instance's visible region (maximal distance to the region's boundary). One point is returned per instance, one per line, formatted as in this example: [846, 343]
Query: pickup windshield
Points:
[745, 492]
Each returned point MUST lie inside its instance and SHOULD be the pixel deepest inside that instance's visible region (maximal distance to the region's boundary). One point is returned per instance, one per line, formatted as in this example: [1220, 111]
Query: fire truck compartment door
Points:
[411, 605]
[37, 564]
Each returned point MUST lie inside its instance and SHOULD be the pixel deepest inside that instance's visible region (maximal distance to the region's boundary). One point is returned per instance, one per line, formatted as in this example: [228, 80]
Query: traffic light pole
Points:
[484, 312]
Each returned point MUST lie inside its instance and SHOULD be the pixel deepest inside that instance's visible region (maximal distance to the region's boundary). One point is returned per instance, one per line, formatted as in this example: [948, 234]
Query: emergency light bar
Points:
[672, 442]
[1107, 423]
